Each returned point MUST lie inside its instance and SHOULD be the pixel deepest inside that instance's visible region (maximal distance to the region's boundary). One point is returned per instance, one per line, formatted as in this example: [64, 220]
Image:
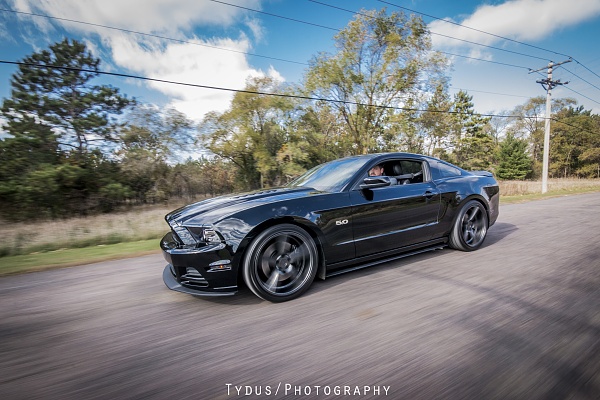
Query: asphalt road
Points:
[517, 319]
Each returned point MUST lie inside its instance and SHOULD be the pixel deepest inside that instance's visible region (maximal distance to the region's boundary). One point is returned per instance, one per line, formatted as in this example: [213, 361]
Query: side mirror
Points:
[373, 182]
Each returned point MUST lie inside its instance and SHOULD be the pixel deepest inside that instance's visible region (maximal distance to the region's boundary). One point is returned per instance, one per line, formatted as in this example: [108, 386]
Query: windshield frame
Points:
[334, 176]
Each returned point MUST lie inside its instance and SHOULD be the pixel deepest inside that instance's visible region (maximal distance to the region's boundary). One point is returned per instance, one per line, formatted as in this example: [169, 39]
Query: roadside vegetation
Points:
[518, 191]
[61, 243]
[83, 165]
[80, 232]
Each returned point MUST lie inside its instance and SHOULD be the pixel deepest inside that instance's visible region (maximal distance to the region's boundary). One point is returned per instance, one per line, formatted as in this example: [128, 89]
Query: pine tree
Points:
[55, 123]
[473, 146]
[514, 161]
[52, 91]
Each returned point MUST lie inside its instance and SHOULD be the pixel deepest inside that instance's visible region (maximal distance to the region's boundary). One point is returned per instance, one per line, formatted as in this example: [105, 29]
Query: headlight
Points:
[185, 236]
[210, 236]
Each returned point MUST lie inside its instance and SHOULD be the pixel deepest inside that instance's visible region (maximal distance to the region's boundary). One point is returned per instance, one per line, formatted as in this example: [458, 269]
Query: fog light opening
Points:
[221, 265]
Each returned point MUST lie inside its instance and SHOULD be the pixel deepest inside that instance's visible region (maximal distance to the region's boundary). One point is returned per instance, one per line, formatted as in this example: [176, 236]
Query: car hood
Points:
[212, 210]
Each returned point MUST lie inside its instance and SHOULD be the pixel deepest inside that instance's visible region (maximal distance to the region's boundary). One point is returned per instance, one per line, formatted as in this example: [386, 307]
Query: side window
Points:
[411, 167]
[410, 172]
[403, 172]
[447, 171]
[400, 172]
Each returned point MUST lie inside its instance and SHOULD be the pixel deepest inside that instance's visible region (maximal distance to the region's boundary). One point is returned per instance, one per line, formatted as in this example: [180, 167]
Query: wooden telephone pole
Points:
[548, 84]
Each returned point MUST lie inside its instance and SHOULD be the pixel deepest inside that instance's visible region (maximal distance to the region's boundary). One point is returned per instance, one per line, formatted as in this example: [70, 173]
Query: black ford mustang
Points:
[334, 218]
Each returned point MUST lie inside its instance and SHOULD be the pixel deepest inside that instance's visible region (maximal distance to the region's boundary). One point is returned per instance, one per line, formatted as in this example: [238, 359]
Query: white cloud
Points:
[256, 28]
[523, 20]
[157, 16]
[197, 64]
[4, 34]
[192, 64]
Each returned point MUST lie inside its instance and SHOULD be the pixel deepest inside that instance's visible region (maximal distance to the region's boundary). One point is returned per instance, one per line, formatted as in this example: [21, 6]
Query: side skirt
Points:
[437, 246]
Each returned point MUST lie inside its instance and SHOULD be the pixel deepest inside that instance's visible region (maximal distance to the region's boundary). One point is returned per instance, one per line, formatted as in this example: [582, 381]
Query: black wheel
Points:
[281, 263]
[470, 227]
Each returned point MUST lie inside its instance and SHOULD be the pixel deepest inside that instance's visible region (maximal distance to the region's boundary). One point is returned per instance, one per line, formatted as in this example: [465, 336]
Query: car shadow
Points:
[245, 297]
[499, 231]
[496, 233]
[323, 285]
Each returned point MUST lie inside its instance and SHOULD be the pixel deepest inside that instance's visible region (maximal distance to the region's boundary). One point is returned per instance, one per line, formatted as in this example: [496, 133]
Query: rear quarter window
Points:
[446, 170]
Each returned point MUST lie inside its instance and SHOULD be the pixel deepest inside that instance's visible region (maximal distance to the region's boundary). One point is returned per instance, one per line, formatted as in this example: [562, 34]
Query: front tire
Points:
[281, 263]
[470, 227]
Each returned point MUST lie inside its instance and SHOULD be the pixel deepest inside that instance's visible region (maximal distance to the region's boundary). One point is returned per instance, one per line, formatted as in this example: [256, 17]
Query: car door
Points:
[391, 217]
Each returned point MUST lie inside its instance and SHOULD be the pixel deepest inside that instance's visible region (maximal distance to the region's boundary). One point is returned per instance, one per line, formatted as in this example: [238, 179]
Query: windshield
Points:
[332, 176]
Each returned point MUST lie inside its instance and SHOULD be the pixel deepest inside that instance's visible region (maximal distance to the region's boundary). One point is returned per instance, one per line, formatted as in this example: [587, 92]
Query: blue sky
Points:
[554, 29]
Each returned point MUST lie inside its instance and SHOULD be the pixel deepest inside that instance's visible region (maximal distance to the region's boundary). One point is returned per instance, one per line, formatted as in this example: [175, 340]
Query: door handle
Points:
[429, 194]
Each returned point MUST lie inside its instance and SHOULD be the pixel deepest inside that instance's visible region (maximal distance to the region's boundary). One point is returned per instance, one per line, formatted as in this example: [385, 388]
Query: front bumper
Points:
[172, 283]
[203, 271]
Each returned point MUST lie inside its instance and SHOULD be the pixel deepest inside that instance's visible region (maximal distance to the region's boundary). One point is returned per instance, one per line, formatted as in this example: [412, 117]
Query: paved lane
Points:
[519, 319]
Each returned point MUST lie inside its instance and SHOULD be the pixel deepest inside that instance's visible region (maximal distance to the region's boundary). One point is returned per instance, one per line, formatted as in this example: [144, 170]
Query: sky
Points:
[492, 44]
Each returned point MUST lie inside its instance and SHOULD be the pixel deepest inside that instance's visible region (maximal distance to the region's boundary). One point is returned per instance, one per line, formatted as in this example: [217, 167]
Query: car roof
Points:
[391, 154]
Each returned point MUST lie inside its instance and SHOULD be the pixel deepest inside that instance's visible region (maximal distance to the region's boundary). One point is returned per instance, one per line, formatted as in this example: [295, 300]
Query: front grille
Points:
[193, 278]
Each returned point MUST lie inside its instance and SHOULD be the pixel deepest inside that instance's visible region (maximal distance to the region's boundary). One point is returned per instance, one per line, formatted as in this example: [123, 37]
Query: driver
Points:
[376, 170]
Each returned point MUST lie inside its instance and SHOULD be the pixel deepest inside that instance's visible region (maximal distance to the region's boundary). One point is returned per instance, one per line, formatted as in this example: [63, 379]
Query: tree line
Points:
[71, 147]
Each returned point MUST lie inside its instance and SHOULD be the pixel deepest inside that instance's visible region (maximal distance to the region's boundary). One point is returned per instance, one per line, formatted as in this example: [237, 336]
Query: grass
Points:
[521, 191]
[71, 257]
[137, 225]
[36, 246]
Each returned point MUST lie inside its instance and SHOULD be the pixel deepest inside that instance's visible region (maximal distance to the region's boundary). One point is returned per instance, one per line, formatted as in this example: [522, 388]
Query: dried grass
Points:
[138, 224]
[148, 223]
[521, 188]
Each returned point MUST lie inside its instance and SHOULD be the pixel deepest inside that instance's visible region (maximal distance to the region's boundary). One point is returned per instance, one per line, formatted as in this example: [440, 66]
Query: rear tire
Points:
[470, 227]
[280, 263]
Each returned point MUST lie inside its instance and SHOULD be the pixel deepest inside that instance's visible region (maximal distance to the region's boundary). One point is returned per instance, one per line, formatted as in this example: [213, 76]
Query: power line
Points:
[312, 24]
[150, 35]
[483, 60]
[489, 47]
[586, 68]
[471, 42]
[217, 47]
[359, 13]
[473, 29]
[275, 15]
[296, 20]
[575, 91]
[226, 49]
[488, 33]
[431, 32]
[582, 95]
[284, 95]
[548, 84]
[566, 87]
[577, 76]
[481, 91]
[573, 126]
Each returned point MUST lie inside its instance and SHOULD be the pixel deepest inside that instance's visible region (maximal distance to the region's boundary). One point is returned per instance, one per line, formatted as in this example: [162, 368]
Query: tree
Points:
[52, 91]
[202, 177]
[513, 159]
[383, 63]
[252, 133]
[530, 125]
[574, 142]
[472, 144]
[56, 124]
[153, 139]
[324, 133]
[436, 123]
[590, 159]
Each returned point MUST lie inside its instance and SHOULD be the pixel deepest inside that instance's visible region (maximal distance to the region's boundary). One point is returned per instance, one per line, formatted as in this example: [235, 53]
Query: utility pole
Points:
[548, 84]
